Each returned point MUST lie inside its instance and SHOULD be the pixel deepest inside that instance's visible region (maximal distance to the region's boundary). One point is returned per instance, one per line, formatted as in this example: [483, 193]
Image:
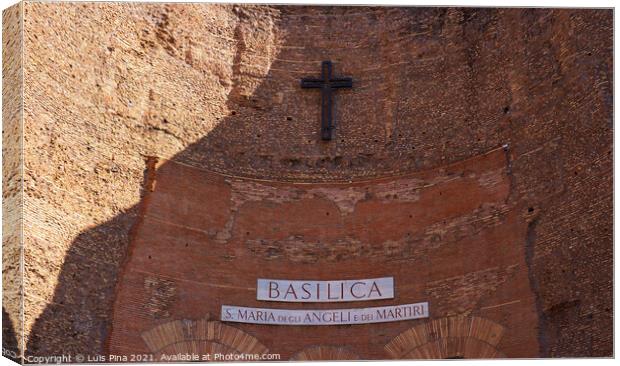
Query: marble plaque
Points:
[325, 291]
[382, 314]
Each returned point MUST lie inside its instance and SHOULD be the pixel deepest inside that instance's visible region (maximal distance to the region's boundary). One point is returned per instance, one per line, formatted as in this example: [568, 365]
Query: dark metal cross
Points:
[327, 84]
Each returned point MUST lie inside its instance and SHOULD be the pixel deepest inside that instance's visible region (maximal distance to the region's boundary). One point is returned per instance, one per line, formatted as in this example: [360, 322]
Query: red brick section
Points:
[449, 236]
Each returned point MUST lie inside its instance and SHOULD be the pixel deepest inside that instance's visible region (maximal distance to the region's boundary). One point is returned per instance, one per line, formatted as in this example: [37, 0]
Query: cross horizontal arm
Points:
[341, 83]
[312, 83]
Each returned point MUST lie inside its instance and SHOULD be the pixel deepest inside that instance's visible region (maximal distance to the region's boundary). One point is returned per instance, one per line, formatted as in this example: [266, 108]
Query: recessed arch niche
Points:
[449, 337]
[323, 352]
[200, 337]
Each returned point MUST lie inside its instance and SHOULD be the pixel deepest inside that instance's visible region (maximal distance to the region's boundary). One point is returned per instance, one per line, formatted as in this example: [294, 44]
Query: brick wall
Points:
[217, 88]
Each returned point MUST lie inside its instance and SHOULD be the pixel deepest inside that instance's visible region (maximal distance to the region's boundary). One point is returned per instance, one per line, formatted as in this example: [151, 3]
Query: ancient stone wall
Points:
[12, 182]
[216, 87]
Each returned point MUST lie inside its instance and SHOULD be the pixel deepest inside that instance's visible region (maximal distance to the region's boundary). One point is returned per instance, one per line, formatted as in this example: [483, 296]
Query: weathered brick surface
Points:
[208, 237]
[215, 87]
[12, 182]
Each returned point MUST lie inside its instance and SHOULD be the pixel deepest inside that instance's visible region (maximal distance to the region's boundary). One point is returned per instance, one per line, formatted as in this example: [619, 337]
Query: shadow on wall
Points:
[10, 347]
[78, 319]
[262, 123]
[272, 133]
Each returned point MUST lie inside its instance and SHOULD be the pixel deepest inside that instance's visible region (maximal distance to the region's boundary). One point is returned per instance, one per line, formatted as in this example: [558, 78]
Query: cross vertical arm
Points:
[326, 114]
[326, 70]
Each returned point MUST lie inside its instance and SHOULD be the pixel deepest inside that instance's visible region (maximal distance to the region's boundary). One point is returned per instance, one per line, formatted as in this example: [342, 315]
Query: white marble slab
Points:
[381, 314]
[325, 291]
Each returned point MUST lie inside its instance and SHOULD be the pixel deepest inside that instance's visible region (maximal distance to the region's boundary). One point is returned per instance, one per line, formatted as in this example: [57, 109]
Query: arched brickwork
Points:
[200, 337]
[451, 337]
[318, 353]
[194, 347]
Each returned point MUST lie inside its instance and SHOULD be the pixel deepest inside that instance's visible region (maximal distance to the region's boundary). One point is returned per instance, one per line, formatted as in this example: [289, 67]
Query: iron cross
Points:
[327, 84]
